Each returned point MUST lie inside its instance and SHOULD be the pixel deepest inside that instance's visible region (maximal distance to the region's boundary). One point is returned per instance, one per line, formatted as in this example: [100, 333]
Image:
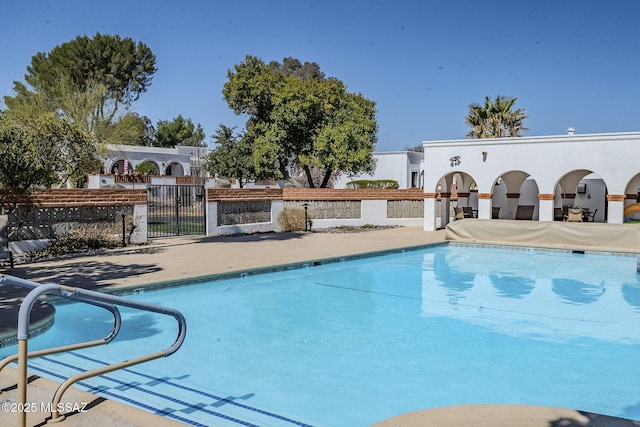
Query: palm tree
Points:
[495, 119]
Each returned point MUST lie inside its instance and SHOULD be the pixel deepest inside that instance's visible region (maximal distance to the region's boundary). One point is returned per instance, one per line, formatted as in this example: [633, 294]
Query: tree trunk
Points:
[282, 166]
[307, 172]
[327, 176]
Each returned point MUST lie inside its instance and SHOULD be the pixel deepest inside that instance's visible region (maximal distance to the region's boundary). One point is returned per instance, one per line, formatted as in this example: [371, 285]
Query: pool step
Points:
[170, 397]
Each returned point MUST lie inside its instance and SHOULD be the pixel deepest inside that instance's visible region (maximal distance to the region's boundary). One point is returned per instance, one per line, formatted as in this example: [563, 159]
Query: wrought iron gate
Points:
[175, 210]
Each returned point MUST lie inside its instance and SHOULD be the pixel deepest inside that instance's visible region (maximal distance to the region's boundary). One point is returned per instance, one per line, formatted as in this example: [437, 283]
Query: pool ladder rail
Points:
[106, 301]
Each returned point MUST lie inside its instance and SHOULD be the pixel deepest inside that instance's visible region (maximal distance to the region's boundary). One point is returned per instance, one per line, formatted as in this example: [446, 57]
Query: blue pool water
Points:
[353, 343]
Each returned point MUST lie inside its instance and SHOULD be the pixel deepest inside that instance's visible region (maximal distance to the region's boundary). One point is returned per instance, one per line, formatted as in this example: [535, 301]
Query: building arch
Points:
[117, 166]
[512, 189]
[585, 189]
[174, 168]
[632, 189]
[632, 199]
[453, 189]
[567, 184]
[152, 162]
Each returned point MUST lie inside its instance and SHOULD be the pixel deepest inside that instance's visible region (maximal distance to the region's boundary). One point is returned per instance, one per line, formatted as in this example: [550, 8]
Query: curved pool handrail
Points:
[117, 323]
[82, 294]
[141, 305]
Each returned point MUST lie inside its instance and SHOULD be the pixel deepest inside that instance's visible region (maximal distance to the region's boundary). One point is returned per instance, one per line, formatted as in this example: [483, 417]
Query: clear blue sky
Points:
[570, 63]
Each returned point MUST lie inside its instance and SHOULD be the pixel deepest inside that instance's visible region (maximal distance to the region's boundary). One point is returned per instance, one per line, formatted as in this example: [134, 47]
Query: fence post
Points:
[277, 206]
[211, 214]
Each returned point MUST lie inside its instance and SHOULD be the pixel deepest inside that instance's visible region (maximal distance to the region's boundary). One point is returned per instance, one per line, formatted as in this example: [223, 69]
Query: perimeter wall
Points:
[47, 214]
[326, 207]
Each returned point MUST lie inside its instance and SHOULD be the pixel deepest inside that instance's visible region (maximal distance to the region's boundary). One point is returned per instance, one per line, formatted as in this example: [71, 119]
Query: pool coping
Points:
[132, 290]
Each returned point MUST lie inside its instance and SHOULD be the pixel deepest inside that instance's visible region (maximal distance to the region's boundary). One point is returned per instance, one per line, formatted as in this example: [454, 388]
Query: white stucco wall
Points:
[615, 158]
[396, 165]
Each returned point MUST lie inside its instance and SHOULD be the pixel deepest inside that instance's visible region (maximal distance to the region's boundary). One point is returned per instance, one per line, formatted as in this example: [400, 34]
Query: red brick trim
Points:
[83, 197]
[351, 194]
[227, 194]
[244, 194]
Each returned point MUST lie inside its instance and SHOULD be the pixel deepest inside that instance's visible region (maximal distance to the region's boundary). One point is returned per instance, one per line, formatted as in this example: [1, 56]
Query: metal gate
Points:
[175, 210]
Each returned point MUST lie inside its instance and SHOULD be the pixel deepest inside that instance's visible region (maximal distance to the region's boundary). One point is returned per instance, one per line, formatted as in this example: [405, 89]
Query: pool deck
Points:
[176, 259]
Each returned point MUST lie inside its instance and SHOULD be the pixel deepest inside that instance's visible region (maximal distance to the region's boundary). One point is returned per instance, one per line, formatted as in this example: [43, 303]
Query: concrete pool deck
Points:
[175, 259]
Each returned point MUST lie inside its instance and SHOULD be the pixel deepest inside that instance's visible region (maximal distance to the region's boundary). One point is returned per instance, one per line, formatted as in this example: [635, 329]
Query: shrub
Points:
[223, 183]
[374, 183]
[89, 237]
[292, 220]
[147, 167]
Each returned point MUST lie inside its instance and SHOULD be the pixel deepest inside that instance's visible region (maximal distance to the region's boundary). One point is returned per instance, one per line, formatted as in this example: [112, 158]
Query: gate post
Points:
[140, 221]
[211, 214]
[277, 206]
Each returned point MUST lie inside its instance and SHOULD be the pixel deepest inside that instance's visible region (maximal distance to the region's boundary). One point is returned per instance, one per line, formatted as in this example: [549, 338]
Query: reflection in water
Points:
[577, 292]
[512, 286]
[449, 276]
[631, 294]
[537, 295]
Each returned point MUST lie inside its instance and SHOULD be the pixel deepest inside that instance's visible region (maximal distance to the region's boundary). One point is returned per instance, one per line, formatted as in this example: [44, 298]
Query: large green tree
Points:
[87, 80]
[232, 157]
[131, 129]
[297, 118]
[179, 131]
[495, 119]
[293, 67]
[41, 151]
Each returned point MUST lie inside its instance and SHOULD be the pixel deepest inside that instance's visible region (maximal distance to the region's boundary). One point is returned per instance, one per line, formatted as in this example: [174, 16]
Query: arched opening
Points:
[456, 198]
[117, 168]
[581, 189]
[148, 167]
[632, 200]
[515, 196]
[174, 169]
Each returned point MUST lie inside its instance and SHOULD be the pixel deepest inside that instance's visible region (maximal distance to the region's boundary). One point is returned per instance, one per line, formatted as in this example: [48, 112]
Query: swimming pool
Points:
[353, 343]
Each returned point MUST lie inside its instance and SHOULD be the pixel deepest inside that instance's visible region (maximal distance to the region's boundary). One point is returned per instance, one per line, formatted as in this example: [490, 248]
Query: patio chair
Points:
[525, 212]
[574, 215]
[495, 212]
[468, 212]
[591, 216]
[558, 215]
[459, 213]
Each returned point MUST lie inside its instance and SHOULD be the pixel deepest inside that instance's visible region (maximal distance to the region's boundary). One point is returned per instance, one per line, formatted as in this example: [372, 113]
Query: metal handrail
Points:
[76, 346]
[117, 322]
[82, 294]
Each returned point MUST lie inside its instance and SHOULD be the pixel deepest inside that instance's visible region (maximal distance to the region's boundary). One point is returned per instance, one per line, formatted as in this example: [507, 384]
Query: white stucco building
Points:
[542, 171]
[178, 161]
[403, 166]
